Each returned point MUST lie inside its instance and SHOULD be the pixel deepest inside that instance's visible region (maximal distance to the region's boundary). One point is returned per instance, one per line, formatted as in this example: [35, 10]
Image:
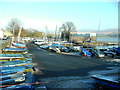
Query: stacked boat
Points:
[16, 67]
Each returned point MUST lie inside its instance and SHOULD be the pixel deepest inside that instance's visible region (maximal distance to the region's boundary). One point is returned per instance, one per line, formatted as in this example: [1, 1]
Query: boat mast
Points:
[55, 33]
[47, 33]
[98, 28]
[13, 30]
[19, 34]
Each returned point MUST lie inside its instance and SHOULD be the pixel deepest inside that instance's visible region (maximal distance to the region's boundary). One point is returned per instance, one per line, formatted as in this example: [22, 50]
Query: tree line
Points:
[15, 25]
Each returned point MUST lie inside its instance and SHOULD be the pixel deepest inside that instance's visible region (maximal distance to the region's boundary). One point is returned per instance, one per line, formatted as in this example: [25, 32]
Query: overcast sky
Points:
[84, 15]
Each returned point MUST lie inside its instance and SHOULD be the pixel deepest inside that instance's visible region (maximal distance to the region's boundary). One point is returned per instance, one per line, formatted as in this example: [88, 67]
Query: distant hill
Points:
[104, 33]
[108, 31]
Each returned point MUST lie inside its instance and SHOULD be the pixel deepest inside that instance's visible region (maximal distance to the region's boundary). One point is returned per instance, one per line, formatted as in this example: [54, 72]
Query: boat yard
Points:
[69, 70]
[57, 65]
[15, 64]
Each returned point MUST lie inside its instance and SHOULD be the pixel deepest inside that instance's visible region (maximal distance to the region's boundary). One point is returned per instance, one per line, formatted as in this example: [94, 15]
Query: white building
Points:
[1, 34]
[83, 36]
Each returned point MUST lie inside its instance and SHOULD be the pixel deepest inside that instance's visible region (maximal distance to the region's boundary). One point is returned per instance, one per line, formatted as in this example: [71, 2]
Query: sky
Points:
[37, 14]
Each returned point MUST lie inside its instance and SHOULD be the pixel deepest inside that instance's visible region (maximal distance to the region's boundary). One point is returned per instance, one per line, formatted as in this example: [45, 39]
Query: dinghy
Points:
[16, 69]
[14, 50]
[13, 81]
[107, 81]
[19, 45]
[97, 52]
[11, 56]
[14, 63]
[85, 52]
[5, 77]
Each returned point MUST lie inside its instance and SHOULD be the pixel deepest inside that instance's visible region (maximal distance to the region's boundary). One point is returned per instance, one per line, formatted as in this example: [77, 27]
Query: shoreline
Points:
[108, 37]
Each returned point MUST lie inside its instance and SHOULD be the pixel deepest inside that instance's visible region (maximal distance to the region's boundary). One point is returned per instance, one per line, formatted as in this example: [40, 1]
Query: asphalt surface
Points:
[55, 65]
[65, 71]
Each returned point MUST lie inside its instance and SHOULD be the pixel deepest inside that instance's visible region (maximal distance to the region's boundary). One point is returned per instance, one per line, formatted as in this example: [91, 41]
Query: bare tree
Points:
[66, 29]
[14, 26]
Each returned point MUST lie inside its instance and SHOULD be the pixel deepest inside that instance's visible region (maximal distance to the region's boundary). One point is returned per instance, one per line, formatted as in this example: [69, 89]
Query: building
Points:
[7, 33]
[83, 36]
[1, 34]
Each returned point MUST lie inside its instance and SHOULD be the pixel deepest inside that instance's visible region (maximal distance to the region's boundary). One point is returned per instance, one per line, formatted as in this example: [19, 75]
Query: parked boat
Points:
[97, 52]
[11, 56]
[85, 52]
[54, 49]
[60, 47]
[5, 77]
[72, 49]
[29, 78]
[16, 69]
[39, 42]
[44, 47]
[7, 60]
[64, 49]
[21, 86]
[107, 81]
[65, 43]
[14, 63]
[14, 50]
[110, 52]
[116, 50]
[19, 45]
[13, 81]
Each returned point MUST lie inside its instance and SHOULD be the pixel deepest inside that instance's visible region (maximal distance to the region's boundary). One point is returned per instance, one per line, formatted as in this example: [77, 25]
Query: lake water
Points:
[106, 47]
[108, 39]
